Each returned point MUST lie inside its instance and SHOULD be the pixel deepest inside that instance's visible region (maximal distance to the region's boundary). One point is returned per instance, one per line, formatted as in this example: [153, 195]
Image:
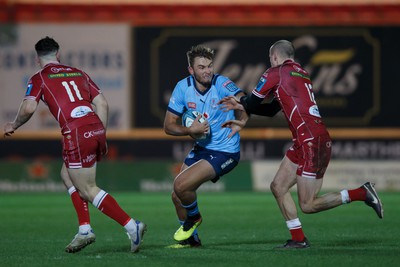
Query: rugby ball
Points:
[188, 118]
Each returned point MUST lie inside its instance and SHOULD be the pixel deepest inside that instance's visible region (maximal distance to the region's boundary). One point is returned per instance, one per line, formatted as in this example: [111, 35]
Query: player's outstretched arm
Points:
[231, 103]
[25, 112]
[234, 125]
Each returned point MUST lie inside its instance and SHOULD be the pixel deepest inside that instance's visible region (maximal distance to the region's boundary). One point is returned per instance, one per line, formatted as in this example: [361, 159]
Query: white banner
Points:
[340, 175]
[101, 50]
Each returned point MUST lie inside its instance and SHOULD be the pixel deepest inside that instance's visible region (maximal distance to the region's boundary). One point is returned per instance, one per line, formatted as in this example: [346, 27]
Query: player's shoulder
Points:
[291, 64]
[295, 69]
[218, 79]
[185, 82]
[36, 76]
[272, 73]
[225, 83]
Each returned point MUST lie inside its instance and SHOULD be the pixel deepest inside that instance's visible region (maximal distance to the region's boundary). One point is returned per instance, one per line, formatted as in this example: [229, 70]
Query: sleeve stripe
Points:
[258, 94]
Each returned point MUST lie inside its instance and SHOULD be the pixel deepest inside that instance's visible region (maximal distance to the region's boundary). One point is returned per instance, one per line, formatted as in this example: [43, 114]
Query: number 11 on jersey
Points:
[69, 92]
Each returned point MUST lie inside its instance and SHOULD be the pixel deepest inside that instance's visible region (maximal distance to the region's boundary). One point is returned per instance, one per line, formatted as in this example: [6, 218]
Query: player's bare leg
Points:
[310, 202]
[180, 211]
[284, 179]
[84, 180]
[185, 186]
[193, 240]
[85, 235]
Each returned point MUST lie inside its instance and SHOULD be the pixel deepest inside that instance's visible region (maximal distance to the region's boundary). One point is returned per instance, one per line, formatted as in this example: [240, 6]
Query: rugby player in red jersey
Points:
[290, 88]
[82, 112]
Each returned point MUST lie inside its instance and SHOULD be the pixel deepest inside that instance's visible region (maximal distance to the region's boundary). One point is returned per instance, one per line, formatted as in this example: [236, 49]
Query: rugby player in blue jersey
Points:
[213, 155]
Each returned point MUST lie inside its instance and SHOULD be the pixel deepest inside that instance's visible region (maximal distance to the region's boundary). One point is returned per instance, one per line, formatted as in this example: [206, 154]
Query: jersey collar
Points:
[208, 89]
[51, 63]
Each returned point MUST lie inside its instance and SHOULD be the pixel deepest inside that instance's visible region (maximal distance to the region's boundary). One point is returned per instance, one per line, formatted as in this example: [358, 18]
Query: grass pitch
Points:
[238, 229]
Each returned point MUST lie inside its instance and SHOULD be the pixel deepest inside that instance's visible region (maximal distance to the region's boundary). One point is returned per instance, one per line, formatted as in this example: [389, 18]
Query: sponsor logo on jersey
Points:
[297, 74]
[57, 70]
[298, 69]
[261, 83]
[191, 105]
[313, 110]
[80, 111]
[28, 90]
[65, 75]
[231, 86]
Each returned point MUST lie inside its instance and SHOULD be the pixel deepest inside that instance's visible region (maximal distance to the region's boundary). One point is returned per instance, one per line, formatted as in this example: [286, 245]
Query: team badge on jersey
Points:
[214, 103]
[230, 86]
[28, 90]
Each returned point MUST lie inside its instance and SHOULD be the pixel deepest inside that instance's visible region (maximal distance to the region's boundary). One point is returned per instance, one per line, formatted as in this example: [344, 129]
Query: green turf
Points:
[239, 229]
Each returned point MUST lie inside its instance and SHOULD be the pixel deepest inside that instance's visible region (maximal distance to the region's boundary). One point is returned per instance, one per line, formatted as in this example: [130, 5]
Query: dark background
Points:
[160, 62]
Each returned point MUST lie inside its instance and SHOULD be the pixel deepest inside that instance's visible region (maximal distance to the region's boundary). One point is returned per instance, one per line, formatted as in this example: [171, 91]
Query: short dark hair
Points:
[46, 46]
[284, 48]
[199, 51]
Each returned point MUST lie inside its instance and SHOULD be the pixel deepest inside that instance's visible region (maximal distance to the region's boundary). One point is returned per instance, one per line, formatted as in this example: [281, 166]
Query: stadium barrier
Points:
[144, 176]
[158, 176]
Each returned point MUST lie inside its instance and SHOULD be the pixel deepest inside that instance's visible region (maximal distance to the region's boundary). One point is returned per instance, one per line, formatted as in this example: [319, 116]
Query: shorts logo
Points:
[226, 163]
[93, 133]
[89, 158]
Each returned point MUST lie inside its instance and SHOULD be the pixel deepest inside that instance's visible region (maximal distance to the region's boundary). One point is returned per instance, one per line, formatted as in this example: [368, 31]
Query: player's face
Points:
[203, 71]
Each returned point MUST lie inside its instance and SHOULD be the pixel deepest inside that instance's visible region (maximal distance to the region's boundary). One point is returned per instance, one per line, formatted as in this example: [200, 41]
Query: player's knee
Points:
[272, 187]
[85, 195]
[89, 193]
[64, 176]
[178, 189]
[174, 197]
[276, 189]
[307, 207]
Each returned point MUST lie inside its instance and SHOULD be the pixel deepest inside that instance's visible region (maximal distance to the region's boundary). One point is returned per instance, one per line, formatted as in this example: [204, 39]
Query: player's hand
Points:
[8, 129]
[235, 126]
[198, 128]
[230, 103]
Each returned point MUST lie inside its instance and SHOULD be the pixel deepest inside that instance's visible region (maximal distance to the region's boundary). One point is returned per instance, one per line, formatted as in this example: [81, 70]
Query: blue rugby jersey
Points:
[187, 97]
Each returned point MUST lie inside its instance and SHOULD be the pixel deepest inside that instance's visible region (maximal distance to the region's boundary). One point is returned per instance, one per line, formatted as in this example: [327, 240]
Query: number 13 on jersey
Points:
[310, 92]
